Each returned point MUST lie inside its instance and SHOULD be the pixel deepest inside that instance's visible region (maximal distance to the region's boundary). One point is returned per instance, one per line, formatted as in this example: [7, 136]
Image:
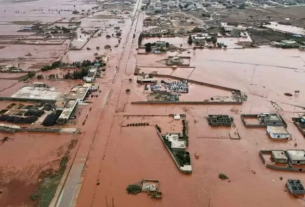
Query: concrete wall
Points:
[289, 168]
[243, 116]
[189, 102]
[50, 130]
[26, 100]
[53, 130]
[299, 128]
[194, 81]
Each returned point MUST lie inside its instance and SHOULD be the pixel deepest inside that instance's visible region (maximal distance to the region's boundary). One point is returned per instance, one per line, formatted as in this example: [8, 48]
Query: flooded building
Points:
[78, 93]
[296, 157]
[146, 79]
[279, 156]
[92, 86]
[270, 119]
[200, 38]
[67, 112]
[230, 27]
[278, 132]
[295, 187]
[176, 143]
[91, 75]
[36, 92]
[160, 43]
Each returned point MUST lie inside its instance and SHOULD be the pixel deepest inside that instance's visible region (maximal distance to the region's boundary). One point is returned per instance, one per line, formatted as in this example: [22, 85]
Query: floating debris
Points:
[146, 185]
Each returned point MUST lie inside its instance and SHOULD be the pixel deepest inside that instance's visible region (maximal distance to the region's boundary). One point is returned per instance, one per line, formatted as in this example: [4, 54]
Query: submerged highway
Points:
[78, 189]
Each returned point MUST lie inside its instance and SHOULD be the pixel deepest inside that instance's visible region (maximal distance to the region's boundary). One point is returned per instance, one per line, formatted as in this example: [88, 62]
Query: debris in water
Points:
[146, 185]
[287, 94]
[223, 176]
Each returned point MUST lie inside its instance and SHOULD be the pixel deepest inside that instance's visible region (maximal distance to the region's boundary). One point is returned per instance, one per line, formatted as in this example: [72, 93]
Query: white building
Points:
[91, 75]
[228, 28]
[176, 144]
[92, 86]
[297, 157]
[78, 93]
[200, 38]
[278, 132]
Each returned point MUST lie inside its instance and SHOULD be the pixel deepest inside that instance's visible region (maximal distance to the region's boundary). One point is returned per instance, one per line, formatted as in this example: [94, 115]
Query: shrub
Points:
[158, 128]
[34, 197]
[223, 176]
[148, 47]
[134, 189]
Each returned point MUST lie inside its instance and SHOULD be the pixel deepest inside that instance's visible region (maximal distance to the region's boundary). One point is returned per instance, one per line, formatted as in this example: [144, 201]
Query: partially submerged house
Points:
[295, 187]
[278, 132]
[296, 157]
[200, 38]
[279, 156]
[270, 119]
[146, 79]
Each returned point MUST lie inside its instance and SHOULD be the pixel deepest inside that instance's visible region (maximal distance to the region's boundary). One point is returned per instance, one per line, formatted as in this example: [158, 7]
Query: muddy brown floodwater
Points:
[116, 156]
[123, 155]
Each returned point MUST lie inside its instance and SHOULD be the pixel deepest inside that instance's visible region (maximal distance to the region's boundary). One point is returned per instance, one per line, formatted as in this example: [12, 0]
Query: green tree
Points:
[214, 40]
[31, 74]
[148, 47]
[140, 39]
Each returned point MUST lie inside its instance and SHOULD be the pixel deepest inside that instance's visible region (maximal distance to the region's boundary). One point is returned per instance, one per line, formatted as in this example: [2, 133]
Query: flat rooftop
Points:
[270, 117]
[66, 113]
[175, 142]
[38, 93]
[279, 154]
[273, 117]
[296, 154]
[78, 92]
[277, 129]
[88, 85]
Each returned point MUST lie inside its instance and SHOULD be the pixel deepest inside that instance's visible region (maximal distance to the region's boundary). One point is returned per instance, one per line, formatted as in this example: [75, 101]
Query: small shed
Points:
[295, 187]
[278, 132]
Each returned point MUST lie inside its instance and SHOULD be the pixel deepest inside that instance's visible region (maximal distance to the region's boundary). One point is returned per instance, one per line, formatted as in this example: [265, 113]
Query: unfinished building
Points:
[299, 122]
[270, 119]
[264, 119]
[175, 60]
[219, 120]
[91, 75]
[295, 187]
[279, 156]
